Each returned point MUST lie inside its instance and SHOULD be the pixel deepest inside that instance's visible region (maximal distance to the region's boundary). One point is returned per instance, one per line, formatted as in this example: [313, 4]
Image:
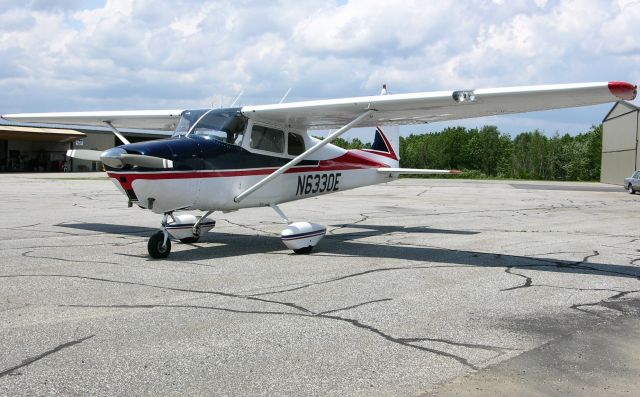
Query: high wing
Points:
[426, 107]
[164, 120]
[398, 109]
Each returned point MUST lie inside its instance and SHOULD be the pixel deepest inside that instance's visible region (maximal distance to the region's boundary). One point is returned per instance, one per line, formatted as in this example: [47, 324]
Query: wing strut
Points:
[303, 156]
[117, 133]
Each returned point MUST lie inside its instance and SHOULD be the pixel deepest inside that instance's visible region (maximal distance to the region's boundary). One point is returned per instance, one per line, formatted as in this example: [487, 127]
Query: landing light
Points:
[464, 96]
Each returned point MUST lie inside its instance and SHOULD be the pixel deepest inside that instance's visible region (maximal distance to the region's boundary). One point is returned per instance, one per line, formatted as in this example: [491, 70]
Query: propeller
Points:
[83, 154]
[118, 158]
[146, 161]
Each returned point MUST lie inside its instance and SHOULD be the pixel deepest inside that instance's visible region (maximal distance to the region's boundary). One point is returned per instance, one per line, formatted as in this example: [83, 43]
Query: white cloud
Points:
[78, 55]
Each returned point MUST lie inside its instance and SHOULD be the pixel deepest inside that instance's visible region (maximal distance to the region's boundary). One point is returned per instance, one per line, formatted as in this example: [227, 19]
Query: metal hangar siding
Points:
[620, 154]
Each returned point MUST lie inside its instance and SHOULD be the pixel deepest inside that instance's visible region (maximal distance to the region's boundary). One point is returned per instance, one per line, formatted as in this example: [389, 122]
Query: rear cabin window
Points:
[296, 144]
[265, 138]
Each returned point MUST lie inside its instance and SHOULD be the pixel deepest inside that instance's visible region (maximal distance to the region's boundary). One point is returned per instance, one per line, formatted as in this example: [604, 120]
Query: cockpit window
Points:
[226, 125]
[296, 144]
[265, 138]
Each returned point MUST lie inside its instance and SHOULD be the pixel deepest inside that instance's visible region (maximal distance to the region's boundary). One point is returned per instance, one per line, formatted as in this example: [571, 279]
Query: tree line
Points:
[488, 153]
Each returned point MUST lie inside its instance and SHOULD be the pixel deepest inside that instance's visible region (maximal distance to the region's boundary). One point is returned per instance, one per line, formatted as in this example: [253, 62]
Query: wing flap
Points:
[164, 120]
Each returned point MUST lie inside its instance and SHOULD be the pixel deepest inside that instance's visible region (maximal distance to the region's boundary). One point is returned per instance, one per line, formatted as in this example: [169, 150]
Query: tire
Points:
[630, 189]
[302, 251]
[155, 246]
[190, 240]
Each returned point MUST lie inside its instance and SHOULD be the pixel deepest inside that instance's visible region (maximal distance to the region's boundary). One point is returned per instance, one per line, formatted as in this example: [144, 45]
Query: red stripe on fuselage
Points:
[348, 161]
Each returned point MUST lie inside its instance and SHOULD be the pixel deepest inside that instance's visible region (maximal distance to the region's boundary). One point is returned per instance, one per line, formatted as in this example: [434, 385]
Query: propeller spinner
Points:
[117, 158]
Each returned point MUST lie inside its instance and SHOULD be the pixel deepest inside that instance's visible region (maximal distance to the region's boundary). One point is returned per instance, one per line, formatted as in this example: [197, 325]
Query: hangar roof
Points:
[620, 108]
[39, 134]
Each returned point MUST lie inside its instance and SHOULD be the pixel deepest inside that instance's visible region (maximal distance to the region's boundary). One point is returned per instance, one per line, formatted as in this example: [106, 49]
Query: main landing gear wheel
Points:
[156, 246]
[195, 236]
[302, 251]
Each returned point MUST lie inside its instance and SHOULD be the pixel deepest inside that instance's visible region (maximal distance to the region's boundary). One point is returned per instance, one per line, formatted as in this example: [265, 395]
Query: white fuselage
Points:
[213, 190]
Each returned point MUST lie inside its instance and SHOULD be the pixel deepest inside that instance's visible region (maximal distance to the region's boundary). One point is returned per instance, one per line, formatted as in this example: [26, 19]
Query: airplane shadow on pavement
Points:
[215, 245]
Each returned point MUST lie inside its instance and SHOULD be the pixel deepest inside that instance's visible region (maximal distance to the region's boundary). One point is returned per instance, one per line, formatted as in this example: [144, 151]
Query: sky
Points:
[73, 55]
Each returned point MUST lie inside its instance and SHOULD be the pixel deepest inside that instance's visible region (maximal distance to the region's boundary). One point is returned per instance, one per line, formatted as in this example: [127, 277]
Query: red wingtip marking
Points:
[623, 90]
[455, 172]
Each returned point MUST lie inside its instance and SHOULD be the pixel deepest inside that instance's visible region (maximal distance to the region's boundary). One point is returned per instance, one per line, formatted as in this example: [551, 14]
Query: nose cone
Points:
[113, 157]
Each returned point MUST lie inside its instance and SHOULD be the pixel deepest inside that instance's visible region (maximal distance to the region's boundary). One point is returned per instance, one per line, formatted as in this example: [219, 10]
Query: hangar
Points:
[43, 149]
[620, 155]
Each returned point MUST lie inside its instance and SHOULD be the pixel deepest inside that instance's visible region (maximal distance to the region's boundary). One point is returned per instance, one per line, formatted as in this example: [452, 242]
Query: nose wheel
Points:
[185, 228]
[159, 245]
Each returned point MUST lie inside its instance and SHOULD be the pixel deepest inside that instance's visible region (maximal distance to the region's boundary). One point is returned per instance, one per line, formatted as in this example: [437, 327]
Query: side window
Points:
[296, 144]
[637, 175]
[265, 138]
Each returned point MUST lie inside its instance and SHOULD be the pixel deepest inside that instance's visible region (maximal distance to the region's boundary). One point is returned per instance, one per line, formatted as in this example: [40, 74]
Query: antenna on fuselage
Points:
[286, 94]
[237, 99]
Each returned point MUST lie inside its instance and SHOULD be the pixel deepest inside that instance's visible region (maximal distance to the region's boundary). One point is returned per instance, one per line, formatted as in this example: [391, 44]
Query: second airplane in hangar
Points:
[253, 156]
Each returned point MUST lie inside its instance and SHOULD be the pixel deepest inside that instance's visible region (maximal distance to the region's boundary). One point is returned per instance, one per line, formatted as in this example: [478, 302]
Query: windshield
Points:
[226, 125]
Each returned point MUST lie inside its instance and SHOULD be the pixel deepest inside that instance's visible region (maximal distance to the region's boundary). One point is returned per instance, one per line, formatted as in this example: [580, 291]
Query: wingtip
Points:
[455, 172]
[623, 90]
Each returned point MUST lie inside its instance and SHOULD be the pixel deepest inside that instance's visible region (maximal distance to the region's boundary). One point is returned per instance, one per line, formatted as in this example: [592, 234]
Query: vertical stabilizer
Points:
[387, 144]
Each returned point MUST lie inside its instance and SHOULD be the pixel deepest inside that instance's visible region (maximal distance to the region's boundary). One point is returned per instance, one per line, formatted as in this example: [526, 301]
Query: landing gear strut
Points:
[186, 228]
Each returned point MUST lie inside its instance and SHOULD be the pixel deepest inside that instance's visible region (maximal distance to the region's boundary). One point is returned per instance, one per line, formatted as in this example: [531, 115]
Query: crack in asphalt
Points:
[31, 360]
[303, 312]
[579, 265]
[217, 293]
[355, 306]
[496, 349]
[604, 303]
[578, 306]
[362, 273]
[527, 283]
[26, 255]
[19, 227]
[363, 217]
[123, 244]
[401, 341]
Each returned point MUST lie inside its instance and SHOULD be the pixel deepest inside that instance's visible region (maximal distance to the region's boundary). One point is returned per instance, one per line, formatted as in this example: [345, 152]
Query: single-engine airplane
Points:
[231, 158]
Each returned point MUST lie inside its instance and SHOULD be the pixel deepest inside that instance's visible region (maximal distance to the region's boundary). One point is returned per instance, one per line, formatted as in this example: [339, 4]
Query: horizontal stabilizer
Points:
[417, 171]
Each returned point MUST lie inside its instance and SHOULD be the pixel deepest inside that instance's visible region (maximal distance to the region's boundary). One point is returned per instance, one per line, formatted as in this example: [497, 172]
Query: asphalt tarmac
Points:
[421, 287]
